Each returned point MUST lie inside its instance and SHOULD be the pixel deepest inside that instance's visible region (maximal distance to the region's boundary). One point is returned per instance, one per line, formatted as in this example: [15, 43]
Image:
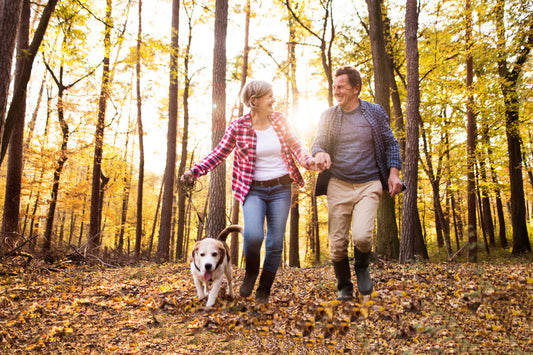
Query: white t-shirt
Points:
[269, 163]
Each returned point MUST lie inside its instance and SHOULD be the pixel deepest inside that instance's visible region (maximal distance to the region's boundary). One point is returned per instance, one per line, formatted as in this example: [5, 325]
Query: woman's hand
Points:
[323, 161]
[188, 178]
[312, 164]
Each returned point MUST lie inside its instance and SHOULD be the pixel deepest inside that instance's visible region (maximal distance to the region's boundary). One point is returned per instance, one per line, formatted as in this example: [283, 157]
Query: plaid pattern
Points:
[240, 137]
[386, 146]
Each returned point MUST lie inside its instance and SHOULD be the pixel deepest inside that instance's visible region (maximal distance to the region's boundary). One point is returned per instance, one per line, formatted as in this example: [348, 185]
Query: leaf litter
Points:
[440, 308]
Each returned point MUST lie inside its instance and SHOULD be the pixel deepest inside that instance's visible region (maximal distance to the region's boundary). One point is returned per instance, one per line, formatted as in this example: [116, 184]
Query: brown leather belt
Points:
[285, 179]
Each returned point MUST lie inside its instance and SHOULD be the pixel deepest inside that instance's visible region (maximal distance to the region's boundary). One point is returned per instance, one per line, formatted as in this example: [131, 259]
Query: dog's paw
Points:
[202, 296]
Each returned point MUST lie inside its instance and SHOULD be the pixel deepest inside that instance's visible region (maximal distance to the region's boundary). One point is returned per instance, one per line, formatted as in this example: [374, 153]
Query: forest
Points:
[104, 104]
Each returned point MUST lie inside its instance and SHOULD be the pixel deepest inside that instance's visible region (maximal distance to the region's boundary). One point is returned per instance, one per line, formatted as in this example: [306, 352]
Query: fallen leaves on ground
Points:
[151, 309]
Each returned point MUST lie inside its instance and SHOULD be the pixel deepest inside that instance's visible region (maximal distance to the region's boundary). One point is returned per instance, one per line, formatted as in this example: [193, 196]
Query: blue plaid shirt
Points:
[386, 146]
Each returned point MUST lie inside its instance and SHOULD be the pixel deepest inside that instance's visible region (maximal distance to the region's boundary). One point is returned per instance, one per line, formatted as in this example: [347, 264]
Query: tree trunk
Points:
[397, 114]
[156, 214]
[434, 176]
[488, 225]
[9, 23]
[294, 248]
[163, 244]
[140, 182]
[124, 211]
[512, 104]
[236, 205]
[294, 235]
[499, 206]
[182, 194]
[325, 42]
[95, 240]
[410, 211]
[10, 219]
[59, 168]
[470, 141]
[387, 229]
[216, 219]
[20, 89]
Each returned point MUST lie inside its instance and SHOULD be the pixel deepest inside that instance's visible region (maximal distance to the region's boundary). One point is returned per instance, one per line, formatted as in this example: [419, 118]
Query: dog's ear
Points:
[193, 254]
[222, 252]
[226, 248]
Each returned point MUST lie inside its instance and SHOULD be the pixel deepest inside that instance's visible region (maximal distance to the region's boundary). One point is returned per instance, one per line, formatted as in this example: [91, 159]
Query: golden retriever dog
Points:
[210, 261]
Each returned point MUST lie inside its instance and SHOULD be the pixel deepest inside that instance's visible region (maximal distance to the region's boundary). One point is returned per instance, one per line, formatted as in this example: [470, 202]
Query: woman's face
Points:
[265, 103]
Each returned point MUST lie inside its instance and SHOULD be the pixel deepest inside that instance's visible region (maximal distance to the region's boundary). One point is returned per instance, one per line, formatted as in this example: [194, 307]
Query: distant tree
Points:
[182, 194]
[294, 247]
[163, 245]
[67, 18]
[140, 130]
[325, 35]
[471, 141]
[98, 179]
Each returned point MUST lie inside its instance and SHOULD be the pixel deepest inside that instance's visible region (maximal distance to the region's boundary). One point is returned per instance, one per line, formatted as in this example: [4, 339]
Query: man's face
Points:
[346, 95]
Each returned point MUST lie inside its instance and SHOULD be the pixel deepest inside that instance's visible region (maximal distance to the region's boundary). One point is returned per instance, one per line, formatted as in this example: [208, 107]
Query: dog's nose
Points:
[208, 266]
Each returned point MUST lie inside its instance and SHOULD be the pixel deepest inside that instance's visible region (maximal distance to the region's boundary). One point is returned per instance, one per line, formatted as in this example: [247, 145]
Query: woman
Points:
[263, 170]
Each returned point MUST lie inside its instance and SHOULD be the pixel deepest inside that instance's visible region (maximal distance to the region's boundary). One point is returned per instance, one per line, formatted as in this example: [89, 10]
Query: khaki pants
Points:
[355, 205]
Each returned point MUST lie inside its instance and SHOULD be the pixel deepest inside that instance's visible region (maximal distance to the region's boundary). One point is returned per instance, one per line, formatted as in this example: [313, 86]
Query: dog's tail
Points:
[230, 229]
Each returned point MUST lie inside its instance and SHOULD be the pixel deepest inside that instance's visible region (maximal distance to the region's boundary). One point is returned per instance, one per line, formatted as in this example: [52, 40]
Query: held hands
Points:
[323, 161]
[312, 164]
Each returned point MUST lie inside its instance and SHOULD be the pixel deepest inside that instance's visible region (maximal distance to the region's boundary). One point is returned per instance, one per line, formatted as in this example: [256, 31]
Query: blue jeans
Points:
[272, 203]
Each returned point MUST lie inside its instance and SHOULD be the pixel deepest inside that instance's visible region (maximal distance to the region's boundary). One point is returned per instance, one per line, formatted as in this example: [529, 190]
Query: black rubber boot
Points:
[265, 284]
[364, 282]
[344, 283]
[252, 270]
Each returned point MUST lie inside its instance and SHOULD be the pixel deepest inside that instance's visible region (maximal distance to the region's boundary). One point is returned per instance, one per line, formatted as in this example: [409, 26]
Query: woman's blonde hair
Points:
[254, 88]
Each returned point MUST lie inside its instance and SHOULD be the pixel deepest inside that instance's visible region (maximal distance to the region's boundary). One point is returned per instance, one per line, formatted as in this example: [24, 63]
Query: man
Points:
[355, 141]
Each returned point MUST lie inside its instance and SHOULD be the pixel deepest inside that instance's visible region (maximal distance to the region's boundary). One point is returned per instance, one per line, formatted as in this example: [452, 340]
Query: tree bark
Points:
[410, 211]
[216, 219]
[182, 194]
[60, 162]
[20, 89]
[294, 235]
[387, 229]
[509, 84]
[9, 23]
[163, 244]
[236, 205]
[10, 219]
[471, 142]
[96, 190]
[140, 182]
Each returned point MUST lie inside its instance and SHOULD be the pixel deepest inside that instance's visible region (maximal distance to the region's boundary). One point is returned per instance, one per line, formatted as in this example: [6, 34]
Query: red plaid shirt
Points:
[240, 136]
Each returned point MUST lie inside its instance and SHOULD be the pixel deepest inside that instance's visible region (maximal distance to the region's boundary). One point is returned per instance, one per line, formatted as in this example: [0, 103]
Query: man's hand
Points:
[323, 161]
[395, 183]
